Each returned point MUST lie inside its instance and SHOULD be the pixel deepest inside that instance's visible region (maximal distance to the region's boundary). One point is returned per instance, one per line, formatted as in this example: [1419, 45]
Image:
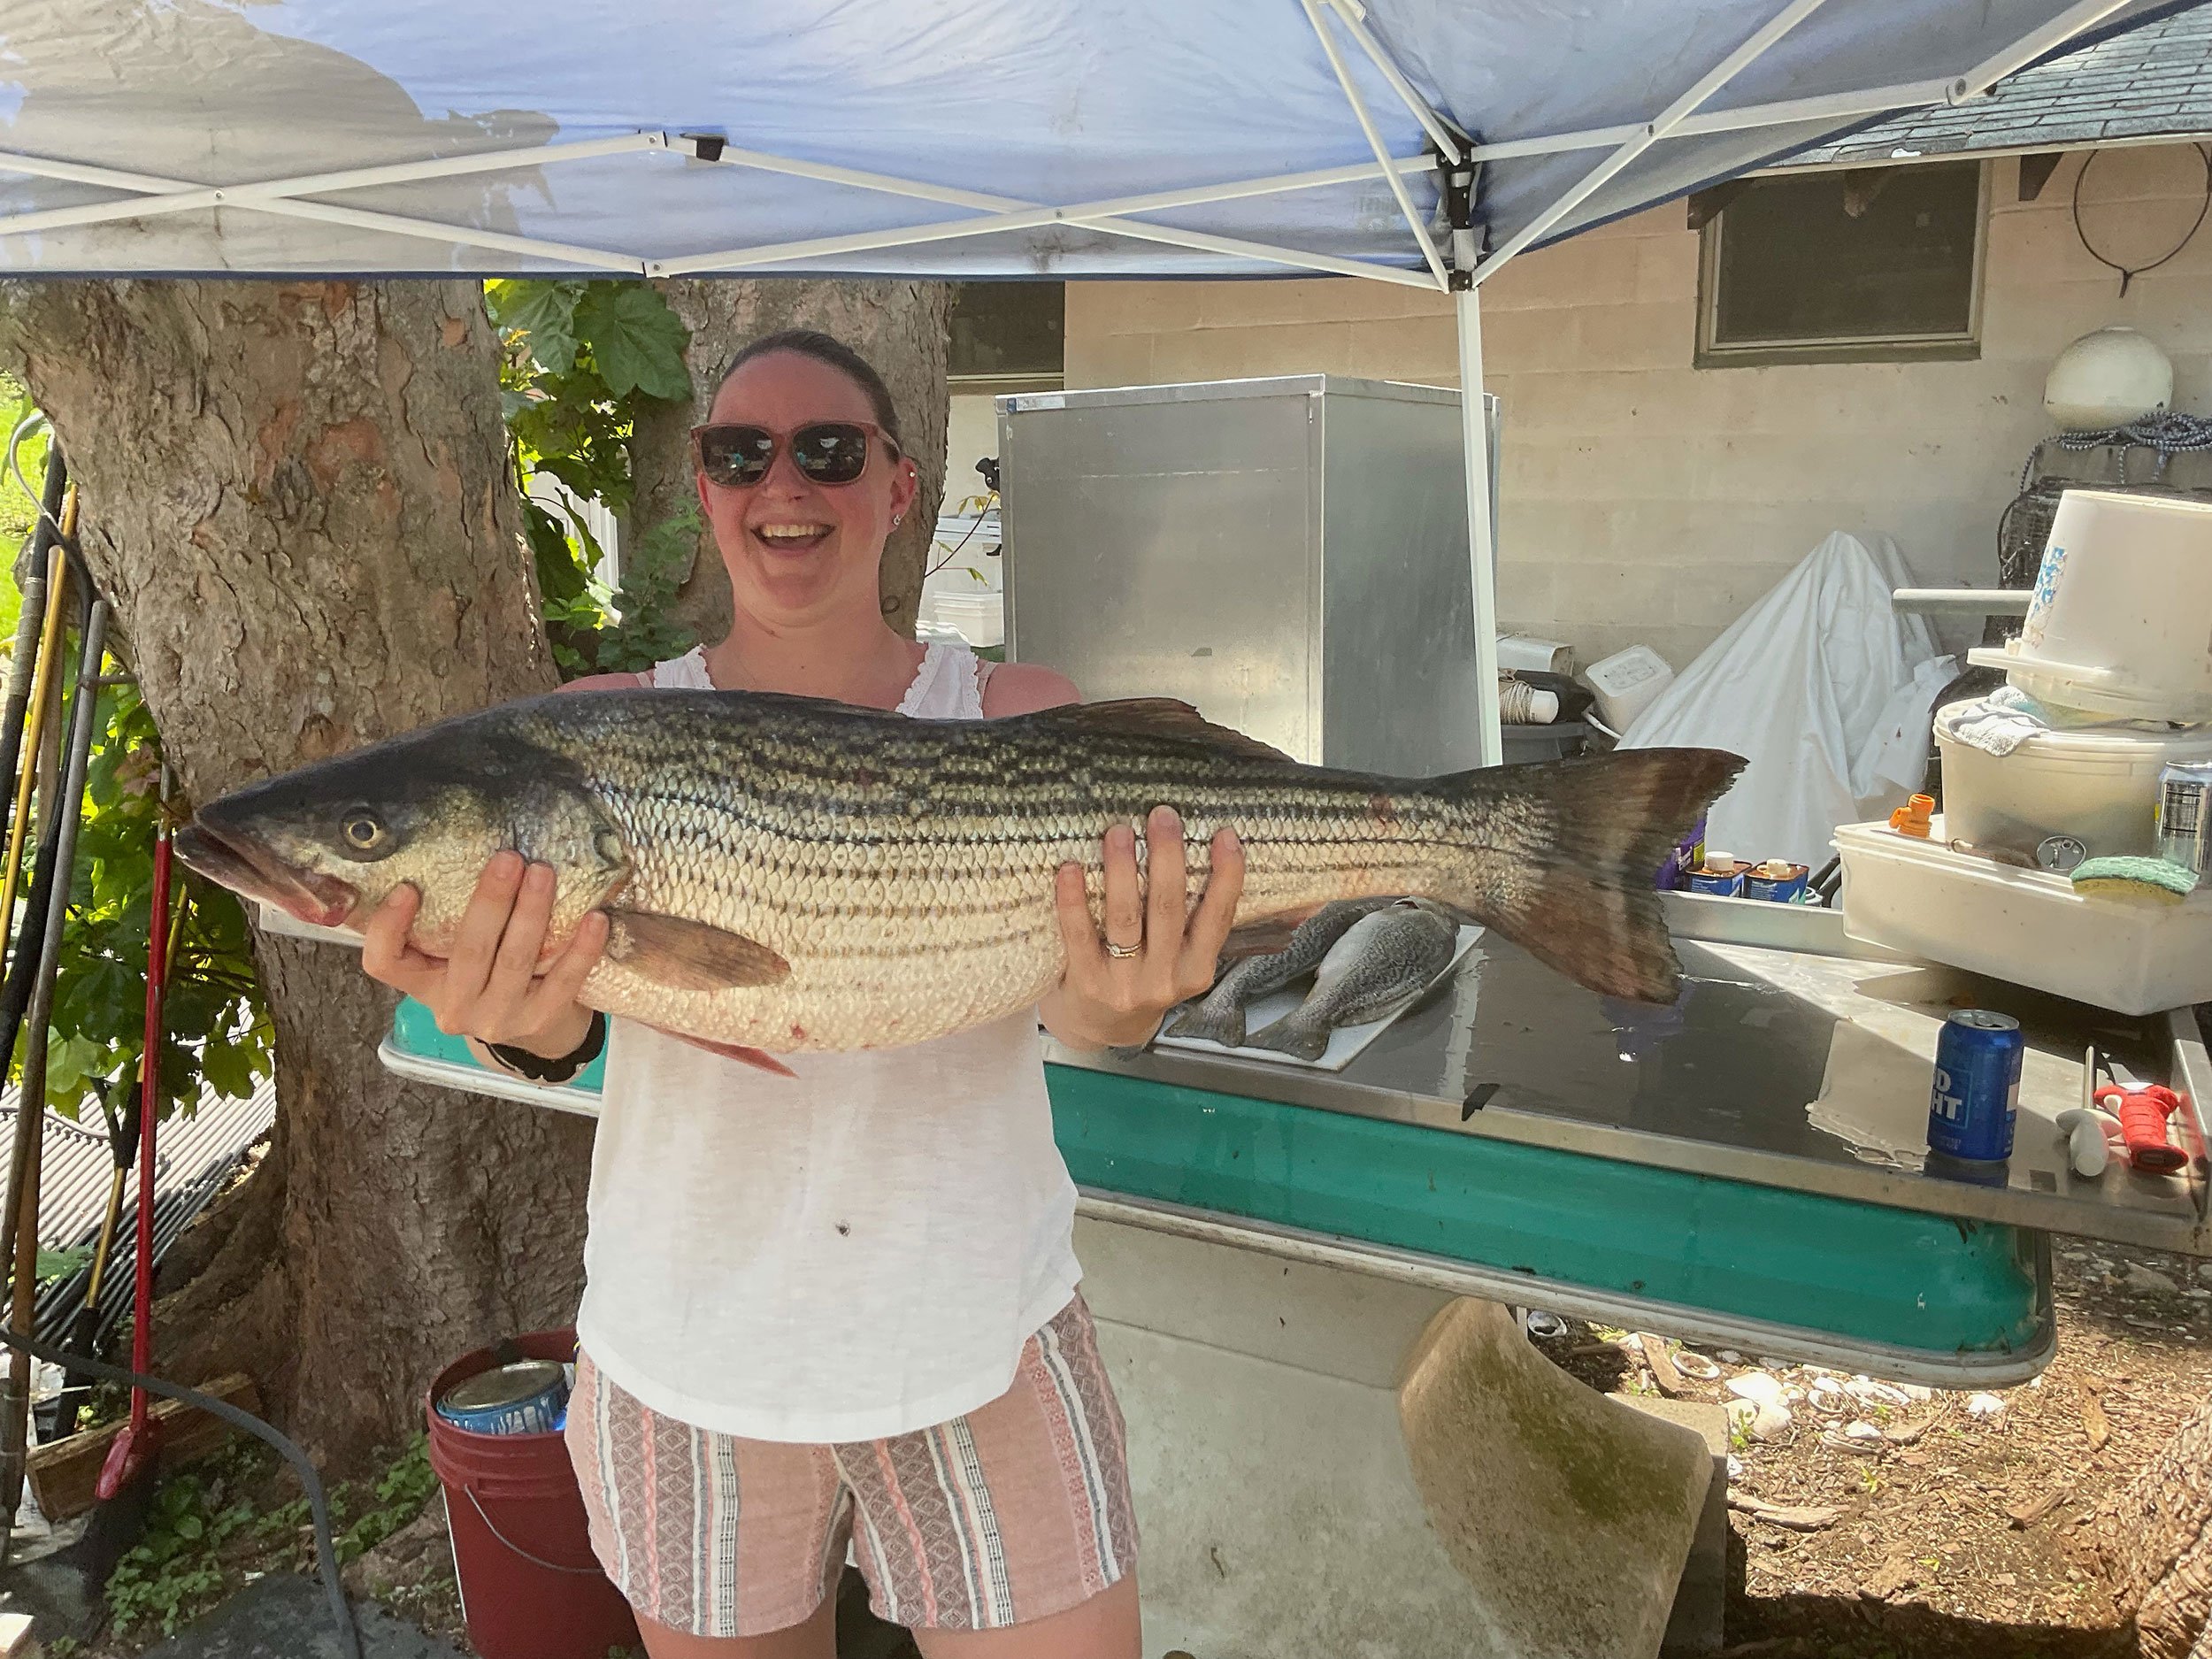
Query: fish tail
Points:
[1223, 1025]
[1562, 858]
[1307, 1039]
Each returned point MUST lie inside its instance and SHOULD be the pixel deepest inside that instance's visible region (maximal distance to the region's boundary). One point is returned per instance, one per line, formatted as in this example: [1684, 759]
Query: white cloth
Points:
[857, 1252]
[1824, 688]
[2007, 718]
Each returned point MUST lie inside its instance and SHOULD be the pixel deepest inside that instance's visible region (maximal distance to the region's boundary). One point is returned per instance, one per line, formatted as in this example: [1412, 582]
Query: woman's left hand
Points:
[1153, 950]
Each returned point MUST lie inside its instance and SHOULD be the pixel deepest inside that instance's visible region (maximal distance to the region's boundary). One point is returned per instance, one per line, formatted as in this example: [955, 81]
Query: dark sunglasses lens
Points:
[736, 455]
[831, 453]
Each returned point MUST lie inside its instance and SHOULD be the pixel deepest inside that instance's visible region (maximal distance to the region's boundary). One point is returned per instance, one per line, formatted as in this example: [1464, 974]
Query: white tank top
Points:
[856, 1253]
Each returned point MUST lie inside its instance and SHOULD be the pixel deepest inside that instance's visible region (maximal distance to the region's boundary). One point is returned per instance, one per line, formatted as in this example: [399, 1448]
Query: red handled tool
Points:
[2143, 1109]
[130, 1459]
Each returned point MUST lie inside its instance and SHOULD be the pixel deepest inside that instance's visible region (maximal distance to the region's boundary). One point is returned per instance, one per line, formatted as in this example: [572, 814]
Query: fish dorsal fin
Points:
[1158, 716]
[688, 955]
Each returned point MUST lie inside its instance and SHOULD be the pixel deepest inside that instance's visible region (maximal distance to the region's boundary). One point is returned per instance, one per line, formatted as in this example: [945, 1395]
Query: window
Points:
[1867, 264]
[1007, 337]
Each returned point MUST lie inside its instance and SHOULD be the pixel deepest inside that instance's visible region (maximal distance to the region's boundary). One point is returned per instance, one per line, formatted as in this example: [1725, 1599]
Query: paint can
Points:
[529, 1396]
[1720, 875]
[1778, 881]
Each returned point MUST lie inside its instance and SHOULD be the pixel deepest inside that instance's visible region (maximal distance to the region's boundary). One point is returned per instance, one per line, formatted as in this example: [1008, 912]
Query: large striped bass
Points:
[786, 874]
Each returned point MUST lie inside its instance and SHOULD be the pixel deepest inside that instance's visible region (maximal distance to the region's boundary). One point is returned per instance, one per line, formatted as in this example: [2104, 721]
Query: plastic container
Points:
[530, 1587]
[2025, 927]
[2100, 786]
[1627, 683]
[1525, 651]
[2117, 622]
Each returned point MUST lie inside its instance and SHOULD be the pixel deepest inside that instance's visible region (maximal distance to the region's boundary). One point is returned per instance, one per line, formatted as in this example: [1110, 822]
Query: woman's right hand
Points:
[494, 986]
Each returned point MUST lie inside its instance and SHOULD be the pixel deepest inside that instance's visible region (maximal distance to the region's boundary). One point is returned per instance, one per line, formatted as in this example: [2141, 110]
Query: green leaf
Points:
[544, 313]
[61, 1263]
[636, 341]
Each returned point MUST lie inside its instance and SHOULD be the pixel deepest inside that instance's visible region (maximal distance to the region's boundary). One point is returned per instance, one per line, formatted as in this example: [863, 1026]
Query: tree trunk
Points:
[297, 498]
[897, 327]
[2157, 1546]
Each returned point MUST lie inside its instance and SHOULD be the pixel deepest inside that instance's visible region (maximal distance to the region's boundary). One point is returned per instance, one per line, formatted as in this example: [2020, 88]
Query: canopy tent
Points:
[1425, 143]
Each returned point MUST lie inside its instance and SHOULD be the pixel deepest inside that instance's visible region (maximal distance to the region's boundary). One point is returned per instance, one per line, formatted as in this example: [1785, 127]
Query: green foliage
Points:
[217, 1029]
[205, 1535]
[580, 360]
[401, 1492]
[61, 1263]
[175, 1574]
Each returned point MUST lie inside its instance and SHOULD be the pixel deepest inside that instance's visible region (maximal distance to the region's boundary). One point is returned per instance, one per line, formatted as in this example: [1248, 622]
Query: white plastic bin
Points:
[2100, 786]
[2025, 927]
[1627, 683]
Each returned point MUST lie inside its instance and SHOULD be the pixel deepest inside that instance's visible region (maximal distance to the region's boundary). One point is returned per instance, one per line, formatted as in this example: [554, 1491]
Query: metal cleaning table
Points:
[1747, 1167]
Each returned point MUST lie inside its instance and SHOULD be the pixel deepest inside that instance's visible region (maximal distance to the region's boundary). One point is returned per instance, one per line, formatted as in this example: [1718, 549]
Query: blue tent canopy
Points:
[1417, 141]
[945, 138]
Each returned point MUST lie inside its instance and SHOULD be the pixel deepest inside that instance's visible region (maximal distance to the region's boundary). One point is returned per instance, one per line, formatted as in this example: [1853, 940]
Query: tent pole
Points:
[1451, 145]
[1413, 216]
[1482, 553]
[1661, 124]
[2053, 35]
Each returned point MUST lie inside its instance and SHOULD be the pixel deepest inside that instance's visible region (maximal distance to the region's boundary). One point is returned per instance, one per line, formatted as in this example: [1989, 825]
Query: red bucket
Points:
[530, 1587]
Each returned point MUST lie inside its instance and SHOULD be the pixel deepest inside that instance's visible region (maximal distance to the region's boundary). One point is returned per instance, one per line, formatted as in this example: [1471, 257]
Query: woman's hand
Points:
[1153, 951]
[494, 988]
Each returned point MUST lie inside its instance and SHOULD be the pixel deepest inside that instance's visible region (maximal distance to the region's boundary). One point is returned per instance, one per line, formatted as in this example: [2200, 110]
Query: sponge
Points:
[2133, 877]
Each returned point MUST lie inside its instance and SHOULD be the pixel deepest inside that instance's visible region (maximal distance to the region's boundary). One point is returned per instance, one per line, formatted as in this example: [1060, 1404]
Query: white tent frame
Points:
[1459, 267]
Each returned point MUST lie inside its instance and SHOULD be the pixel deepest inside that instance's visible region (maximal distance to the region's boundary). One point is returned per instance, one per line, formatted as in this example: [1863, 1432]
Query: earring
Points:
[897, 519]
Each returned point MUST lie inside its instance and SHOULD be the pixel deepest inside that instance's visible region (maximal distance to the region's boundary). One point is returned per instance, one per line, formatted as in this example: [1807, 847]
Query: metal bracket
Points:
[1458, 184]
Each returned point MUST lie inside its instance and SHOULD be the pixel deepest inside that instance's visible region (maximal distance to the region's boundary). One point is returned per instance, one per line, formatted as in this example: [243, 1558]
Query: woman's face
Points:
[795, 549]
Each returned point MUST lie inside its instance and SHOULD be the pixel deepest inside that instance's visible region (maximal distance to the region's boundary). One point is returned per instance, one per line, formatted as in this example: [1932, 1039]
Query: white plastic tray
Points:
[2026, 926]
[1345, 1042]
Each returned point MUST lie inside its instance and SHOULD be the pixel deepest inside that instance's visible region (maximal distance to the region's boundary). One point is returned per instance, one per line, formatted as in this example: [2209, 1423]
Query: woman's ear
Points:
[904, 488]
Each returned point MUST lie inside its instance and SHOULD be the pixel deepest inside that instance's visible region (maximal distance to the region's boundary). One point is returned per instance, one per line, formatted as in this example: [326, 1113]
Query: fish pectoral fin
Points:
[759, 1058]
[688, 955]
[1158, 716]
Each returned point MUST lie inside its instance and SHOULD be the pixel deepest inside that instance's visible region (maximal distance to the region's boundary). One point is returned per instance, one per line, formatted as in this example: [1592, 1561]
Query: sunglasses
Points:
[738, 456]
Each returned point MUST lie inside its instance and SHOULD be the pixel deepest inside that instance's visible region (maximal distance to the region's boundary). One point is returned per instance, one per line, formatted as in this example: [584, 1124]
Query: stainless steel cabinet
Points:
[1289, 554]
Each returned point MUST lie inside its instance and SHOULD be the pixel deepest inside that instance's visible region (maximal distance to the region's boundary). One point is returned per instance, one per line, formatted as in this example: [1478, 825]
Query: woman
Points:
[839, 1305]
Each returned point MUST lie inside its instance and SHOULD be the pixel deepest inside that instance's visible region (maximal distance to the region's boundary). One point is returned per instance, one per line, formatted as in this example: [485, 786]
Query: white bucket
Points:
[2120, 622]
[2099, 786]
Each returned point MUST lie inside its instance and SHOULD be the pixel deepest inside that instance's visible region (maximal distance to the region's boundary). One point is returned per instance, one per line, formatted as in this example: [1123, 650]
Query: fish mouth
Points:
[244, 866]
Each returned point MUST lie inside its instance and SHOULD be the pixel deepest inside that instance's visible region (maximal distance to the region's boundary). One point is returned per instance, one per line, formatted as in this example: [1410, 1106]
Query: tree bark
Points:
[897, 327]
[297, 498]
[2157, 1546]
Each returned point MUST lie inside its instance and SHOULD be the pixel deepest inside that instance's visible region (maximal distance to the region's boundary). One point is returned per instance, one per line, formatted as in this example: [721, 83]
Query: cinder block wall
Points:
[1645, 500]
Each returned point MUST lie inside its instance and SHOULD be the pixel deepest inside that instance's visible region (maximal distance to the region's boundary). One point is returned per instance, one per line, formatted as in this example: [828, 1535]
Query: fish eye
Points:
[363, 832]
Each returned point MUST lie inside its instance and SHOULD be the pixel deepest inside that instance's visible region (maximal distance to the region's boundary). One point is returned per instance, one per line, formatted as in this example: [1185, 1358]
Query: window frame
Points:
[1014, 383]
[1899, 348]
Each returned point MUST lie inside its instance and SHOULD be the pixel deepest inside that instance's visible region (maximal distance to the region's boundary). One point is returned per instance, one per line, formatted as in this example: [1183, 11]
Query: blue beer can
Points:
[1976, 1093]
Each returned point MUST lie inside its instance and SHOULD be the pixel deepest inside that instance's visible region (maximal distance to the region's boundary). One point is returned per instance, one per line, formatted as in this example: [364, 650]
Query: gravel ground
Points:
[1948, 1524]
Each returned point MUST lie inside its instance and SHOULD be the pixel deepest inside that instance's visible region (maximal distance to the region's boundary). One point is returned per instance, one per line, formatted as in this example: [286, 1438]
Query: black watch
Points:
[538, 1069]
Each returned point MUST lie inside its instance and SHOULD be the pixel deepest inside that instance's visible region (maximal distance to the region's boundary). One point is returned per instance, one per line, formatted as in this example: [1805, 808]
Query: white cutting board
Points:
[1345, 1042]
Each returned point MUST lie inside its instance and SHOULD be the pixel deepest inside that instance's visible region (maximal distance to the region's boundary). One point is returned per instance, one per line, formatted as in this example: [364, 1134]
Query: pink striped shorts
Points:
[1016, 1511]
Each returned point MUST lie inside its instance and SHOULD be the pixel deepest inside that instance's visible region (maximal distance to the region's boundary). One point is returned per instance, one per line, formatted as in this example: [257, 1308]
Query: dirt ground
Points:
[1939, 1529]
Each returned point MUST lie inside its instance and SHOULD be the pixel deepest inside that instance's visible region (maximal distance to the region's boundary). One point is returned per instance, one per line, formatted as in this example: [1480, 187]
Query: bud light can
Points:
[1977, 1092]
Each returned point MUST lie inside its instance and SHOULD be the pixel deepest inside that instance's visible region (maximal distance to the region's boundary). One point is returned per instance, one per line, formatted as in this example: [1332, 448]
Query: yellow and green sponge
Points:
[2153, 880]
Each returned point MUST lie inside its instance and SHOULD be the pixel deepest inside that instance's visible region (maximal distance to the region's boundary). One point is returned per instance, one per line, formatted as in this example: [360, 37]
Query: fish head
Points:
[330, 842]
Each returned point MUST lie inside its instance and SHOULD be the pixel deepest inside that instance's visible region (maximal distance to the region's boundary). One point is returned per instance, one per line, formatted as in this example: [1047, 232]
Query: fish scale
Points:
[897, 876]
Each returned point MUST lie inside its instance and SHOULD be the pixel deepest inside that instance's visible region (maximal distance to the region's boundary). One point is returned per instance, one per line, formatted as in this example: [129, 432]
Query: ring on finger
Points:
[1122, 953]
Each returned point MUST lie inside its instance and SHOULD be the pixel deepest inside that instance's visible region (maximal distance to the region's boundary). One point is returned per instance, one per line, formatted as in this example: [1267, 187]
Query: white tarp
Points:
[1012, 102]
[1825, 689]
